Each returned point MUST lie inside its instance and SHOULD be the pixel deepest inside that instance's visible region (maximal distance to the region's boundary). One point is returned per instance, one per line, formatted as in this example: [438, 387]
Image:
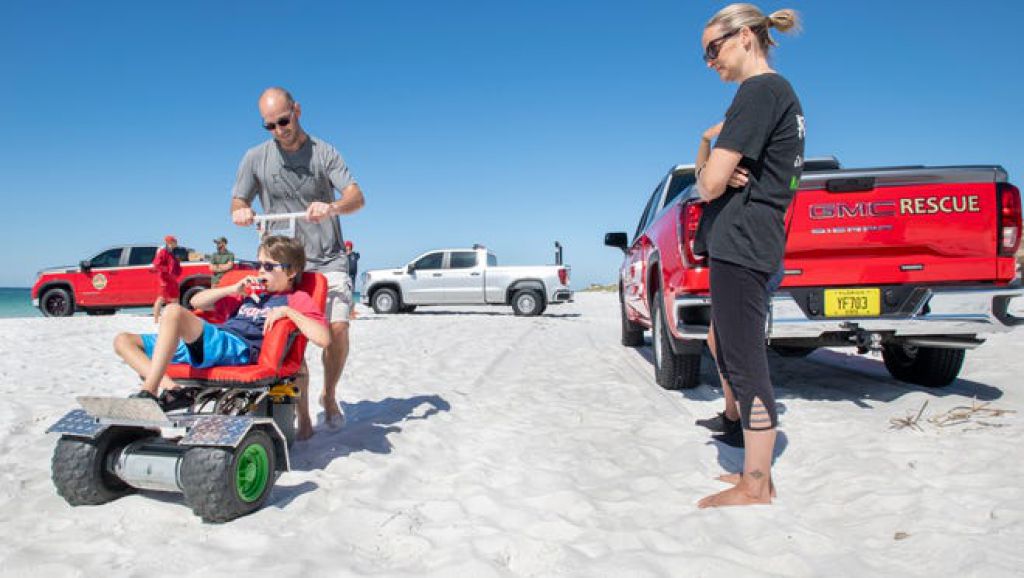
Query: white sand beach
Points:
[482, 444]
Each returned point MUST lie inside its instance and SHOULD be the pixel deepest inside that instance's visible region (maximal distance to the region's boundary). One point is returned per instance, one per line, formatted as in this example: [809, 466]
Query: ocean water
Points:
[17, 302]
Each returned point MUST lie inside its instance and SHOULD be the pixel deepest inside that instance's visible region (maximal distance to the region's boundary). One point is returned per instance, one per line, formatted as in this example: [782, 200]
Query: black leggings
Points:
[739, 310]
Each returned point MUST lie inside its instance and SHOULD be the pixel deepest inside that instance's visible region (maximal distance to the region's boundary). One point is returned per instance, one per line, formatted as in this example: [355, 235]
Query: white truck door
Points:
[464, 278]
[425, 285]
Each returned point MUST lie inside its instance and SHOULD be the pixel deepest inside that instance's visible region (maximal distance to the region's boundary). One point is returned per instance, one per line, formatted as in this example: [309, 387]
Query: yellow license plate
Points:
[852, 302]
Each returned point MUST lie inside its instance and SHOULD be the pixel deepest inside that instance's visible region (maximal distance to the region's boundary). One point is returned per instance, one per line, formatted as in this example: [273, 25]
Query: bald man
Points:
[295, 172]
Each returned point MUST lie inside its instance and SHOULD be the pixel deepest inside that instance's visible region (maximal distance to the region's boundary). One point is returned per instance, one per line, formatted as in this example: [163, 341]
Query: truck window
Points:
[141, 255]
[108, 258]
[462, 260]
[492, 261]
[180, 253]
[649, 210]
[431, 261]
[677, 185]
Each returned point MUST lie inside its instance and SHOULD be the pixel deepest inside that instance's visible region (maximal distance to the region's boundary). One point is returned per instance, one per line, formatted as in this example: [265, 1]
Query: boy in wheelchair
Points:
[251, 306]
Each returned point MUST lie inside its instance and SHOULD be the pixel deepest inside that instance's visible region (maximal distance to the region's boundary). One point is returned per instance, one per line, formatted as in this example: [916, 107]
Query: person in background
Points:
[167, 269]
[295, 172]
[222, 261]
[353, 262]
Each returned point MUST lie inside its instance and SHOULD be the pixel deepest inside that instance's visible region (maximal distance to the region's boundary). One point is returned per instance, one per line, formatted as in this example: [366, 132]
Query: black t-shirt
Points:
[765, 124]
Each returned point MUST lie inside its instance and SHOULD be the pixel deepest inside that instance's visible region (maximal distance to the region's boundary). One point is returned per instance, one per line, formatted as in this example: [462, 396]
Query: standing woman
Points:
[748, 180]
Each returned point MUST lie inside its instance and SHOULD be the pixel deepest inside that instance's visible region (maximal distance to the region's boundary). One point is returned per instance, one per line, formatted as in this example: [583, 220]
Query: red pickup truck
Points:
[915, 262]
[115, 277]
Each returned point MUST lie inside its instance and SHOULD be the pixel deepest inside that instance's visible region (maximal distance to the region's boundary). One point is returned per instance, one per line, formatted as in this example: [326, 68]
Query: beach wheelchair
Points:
[223, 452]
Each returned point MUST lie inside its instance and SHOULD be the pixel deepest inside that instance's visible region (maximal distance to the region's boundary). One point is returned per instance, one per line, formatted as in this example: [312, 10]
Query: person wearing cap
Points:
[353, 262]
[167, 269]
[222, 261]
[295, 172]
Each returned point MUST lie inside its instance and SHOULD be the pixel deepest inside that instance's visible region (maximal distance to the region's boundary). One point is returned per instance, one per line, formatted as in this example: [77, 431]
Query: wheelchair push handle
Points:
[261, 222]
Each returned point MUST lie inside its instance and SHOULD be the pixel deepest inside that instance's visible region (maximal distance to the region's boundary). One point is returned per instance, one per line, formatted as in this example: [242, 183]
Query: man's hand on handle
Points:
[242, 217]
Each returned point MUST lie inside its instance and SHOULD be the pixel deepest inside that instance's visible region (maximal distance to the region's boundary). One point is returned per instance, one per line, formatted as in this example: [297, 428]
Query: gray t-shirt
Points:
[288, 182]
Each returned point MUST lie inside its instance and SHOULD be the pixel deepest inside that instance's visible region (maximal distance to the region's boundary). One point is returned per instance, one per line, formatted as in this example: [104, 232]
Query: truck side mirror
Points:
[617, 240]
[410, 268]
[85, 264]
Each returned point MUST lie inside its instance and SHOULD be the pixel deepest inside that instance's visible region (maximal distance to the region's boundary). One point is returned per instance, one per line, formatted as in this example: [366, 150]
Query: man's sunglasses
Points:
[268, 266]
[711, 52]
[282, 122]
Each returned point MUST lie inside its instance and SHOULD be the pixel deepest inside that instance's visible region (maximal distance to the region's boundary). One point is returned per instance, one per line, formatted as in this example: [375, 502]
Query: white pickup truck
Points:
[466, 277]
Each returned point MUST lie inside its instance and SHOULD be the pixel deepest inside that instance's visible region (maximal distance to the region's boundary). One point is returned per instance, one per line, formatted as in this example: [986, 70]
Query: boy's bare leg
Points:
[755, 485]
[177, 324]
[334, 357]
[129, 347]
[305, 423]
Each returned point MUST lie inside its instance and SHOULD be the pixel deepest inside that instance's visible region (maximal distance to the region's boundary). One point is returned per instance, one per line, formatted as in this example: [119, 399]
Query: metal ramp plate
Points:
[217, 430]
[77, 422]
[128, 411]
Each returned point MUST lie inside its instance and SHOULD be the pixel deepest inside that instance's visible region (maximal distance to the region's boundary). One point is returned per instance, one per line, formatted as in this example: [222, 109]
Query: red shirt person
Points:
[168, 269]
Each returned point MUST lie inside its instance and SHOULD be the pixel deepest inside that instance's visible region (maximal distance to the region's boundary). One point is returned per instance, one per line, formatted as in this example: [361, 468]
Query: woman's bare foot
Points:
[734, 496]
[735, 479]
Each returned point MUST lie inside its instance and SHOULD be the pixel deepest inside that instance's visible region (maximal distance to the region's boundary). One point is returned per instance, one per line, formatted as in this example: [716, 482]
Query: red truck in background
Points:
[915, 262]
[115, 277]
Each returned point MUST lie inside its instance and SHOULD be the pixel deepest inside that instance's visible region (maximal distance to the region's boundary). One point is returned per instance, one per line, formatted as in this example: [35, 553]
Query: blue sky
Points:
[512, 124]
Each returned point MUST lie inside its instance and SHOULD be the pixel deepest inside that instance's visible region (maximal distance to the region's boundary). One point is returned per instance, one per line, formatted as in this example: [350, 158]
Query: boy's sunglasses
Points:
[711, 52]
[282, 122]
[268, 266]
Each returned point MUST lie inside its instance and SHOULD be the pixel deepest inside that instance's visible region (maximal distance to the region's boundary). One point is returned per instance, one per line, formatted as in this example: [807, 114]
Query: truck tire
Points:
[187, 294]
[632, 334]
[671, 371]
[927, 366]
[527, 302]
[79, 472]
[57, 302]
[221, 483]
[385, 301]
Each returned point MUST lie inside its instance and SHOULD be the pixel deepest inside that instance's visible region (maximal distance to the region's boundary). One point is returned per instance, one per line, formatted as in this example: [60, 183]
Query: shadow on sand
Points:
[367, 426]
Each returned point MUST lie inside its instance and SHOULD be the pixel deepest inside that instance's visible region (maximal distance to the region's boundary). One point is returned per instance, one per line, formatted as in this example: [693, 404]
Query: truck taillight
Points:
[1009, 219]
[563, 276]
[689, 220]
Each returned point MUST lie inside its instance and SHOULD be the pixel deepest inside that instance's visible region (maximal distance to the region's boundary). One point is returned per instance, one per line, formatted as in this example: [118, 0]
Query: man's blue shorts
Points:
[219, 347]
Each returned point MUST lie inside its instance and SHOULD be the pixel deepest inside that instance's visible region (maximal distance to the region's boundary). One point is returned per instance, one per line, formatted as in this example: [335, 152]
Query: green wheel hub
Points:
[252, 473]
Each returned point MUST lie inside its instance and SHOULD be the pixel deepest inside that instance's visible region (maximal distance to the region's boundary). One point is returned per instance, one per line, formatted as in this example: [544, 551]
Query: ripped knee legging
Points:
[739, 309]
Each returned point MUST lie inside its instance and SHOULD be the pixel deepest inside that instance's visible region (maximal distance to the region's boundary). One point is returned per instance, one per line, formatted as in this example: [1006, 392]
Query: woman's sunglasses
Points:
[282, 122]
[268, 266]
[711, 52]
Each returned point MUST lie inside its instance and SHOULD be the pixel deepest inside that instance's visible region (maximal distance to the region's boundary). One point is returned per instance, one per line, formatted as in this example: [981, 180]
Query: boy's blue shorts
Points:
[219, 348]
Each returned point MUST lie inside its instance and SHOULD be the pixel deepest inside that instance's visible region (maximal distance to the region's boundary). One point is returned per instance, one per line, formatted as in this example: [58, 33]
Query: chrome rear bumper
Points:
[953, 311]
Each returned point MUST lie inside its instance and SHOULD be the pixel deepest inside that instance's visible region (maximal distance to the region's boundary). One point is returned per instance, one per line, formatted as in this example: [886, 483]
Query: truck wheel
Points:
[527, 302]
[671, 371]
[79, 471]
[221, 484]
[927, 366]
[57, 302]
[186, 296]
[385, 301]
[632, 334]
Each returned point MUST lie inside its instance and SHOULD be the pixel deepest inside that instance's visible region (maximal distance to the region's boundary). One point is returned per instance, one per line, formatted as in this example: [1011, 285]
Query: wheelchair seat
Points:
[280, 357]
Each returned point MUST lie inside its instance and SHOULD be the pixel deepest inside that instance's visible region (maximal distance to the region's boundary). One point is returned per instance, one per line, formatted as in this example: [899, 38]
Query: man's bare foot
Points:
[735, 479]
[735, 496]
[304, 432]
[168, 383]
[334, 418]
